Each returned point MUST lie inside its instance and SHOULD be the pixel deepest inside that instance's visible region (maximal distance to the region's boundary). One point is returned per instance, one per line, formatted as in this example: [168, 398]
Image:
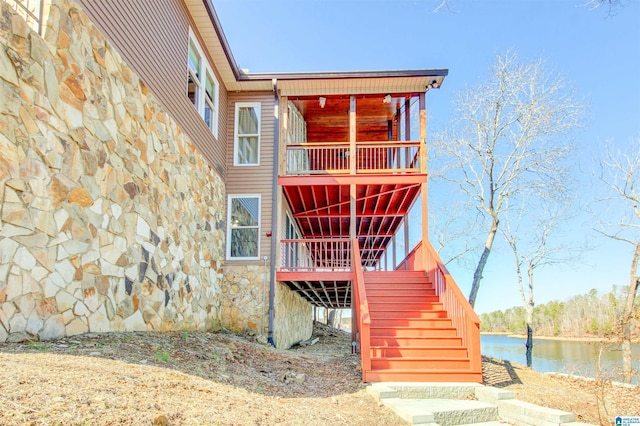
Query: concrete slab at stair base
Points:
[444, 412]
[530, 414]
[431, 404]
[411, 390]
[520, 412]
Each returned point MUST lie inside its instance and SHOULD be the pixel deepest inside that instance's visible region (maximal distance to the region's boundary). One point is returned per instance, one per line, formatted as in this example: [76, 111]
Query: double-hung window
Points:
[246, 146]
[202, 86]
[243, 218]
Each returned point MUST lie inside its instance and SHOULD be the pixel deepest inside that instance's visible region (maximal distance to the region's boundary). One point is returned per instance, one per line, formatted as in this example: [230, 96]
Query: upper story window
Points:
[202, 87]
[246, 144]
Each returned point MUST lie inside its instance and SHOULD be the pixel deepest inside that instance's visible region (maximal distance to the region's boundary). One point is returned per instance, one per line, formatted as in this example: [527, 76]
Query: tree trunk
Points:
[627, 315]
[529, 352]
[477, 275]
[334, 318]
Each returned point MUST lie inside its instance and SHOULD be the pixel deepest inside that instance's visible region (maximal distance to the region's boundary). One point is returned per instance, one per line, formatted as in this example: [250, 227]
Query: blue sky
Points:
[597, 53]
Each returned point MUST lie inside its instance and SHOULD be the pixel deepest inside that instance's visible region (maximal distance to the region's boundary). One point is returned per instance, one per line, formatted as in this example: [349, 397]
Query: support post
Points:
[407, 137]
[423, 169]
[352, 201]
[353, 154]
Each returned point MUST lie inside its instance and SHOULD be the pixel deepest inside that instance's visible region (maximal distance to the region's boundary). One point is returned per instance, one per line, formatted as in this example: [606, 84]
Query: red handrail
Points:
[362, 310]
[464, 318]
[462, 315]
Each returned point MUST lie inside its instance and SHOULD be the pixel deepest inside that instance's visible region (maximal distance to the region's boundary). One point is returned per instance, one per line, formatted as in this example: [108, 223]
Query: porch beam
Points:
[368, 179]
[423, 168]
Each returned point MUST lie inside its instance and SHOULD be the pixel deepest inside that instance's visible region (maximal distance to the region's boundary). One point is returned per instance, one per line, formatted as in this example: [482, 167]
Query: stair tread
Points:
[408, 327]
[416, 347]
[425, 370]
[421, 358]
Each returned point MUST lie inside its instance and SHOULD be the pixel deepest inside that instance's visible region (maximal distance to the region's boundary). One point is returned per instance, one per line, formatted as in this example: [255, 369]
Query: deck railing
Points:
[363, 318]
[458, 309]
[315, 255]
[335, 158]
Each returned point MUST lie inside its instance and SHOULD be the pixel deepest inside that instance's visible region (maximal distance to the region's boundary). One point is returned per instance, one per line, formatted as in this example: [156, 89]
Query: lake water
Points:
[563, 356]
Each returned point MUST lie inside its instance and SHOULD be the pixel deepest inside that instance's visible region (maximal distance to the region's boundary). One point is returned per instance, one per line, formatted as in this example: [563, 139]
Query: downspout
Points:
[274, 207]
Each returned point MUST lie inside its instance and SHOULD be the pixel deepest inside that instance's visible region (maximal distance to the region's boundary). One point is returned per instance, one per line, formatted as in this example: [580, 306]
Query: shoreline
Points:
[592, 339]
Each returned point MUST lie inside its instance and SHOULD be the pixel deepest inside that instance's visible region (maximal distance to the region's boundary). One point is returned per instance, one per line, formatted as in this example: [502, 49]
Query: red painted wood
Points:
[419, 363]
[410, 314]
[450, 341]
[412, 339]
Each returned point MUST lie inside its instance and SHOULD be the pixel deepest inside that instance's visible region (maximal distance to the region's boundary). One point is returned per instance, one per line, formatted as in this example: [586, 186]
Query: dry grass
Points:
[199, 378]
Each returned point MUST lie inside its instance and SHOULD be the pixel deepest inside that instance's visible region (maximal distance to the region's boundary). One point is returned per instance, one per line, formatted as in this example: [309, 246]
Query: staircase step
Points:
[393, 332]
[401, 299]
[425, 342]
[443, 412]
[422, 375]
[394, 274]
[411, 322]
[418, 351]
[393, 279]
[402, 307]
[424, 313]
[418, 363]
[386, 291]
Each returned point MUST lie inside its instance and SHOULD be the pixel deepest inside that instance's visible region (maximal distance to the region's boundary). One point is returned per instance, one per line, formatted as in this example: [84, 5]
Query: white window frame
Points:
[230, 225]
[236, 136]
[201, 95]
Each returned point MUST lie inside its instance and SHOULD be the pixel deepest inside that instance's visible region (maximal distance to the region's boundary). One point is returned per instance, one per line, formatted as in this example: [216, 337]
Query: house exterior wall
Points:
[110, 217]
[255, 180]
[245, 300]
[293, 317]
[154, 42]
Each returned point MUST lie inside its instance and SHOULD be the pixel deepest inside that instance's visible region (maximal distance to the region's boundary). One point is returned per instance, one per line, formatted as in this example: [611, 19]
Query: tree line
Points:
[586, 315]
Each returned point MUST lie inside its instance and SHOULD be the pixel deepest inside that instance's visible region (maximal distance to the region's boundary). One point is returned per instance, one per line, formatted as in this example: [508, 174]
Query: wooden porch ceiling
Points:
[331, 123]
[324, 210]
[334, 294]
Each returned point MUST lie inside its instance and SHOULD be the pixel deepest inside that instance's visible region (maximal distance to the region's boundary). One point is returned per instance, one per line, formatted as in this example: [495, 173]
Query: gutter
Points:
[274, 208]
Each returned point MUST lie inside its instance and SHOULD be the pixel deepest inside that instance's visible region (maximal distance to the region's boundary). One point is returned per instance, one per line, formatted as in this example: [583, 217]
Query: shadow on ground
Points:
[498, 372]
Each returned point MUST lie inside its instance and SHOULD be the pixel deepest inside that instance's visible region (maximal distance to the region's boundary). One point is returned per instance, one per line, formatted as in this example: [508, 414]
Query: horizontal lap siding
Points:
[258, 179]
[153, 38]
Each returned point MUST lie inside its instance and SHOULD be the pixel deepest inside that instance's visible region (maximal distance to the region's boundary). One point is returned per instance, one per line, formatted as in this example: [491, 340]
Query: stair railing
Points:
[463, 317]
[362, 310]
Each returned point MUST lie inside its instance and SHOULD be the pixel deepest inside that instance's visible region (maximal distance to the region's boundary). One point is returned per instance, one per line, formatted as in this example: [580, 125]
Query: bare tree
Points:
[532, 249]
[620, 172]
[508, 141]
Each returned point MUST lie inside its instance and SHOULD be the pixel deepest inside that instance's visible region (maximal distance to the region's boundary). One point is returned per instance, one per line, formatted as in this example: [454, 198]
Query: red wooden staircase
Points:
[415, 330]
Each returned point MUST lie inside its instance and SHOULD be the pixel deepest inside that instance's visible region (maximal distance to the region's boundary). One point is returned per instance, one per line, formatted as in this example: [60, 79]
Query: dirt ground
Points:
[198, 378]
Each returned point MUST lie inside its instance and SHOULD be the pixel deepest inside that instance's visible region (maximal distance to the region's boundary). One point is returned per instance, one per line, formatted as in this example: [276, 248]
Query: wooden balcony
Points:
[336, 158]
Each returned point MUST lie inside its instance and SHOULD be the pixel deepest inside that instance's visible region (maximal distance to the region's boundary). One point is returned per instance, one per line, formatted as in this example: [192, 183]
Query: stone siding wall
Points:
[245, 305]
[110, 218]
[293, 320]
[245, 299]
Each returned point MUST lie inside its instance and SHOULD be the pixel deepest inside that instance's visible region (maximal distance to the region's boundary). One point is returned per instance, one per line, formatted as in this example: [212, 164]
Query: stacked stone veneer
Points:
[293, 317]
[110, 218]
[245, 306]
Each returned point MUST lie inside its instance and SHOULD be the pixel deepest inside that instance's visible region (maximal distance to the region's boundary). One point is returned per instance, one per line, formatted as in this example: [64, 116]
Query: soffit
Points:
[356, 85]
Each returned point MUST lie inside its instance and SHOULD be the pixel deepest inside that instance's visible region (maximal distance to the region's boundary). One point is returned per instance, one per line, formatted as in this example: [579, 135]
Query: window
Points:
[243, 218]
[247, 135]
[202, 87]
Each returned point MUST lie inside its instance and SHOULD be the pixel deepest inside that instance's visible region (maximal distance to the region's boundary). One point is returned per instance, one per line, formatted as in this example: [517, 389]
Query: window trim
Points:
[228, 249]
[201, 97]
[236, 138]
